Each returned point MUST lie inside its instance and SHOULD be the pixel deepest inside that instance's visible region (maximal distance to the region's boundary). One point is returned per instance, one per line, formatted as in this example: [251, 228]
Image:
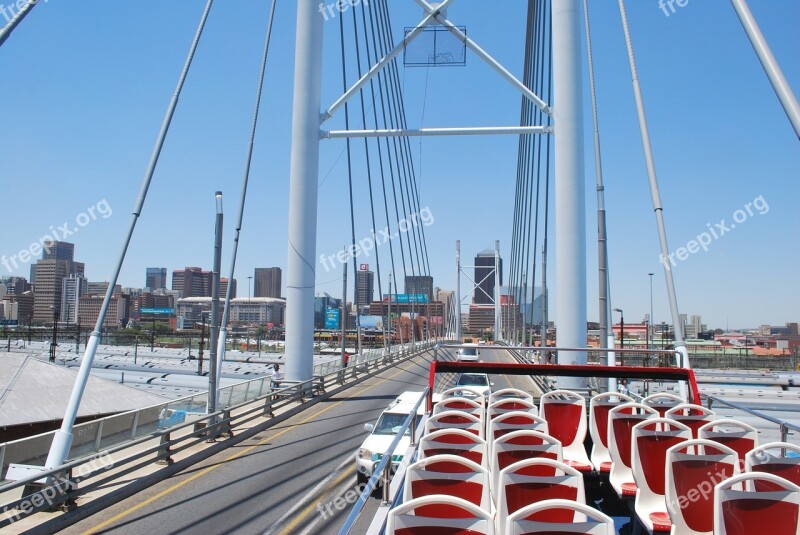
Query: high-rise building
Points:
[485, 277]
[72, 289]
[156, 278]
[47, 290]
[419, 284]
[89, 310]
[365, 283]
[56, 263]
[267, 282]
[16, 285]
[192, 282]
[100, 288]
[58, 250]
[223, 288]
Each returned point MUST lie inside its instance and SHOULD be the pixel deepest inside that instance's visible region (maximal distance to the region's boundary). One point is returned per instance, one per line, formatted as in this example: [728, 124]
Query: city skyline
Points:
[708, 175]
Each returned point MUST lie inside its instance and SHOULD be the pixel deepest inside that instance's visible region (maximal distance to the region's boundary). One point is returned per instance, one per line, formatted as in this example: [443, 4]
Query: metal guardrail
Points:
[52, 483]
[103, 433]
[383, 470]
[784, 426]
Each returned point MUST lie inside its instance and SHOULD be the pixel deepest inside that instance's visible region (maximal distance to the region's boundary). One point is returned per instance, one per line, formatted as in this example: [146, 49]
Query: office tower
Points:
[419, 284]
[156, 278]
[267, 282]
[72, 289]
[484, 277]
[365, 282]
[223, 288]
[192, 282]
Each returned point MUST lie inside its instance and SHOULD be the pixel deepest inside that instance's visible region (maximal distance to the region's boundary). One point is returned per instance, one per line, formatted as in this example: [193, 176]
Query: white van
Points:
[468, 353]
[383, 432]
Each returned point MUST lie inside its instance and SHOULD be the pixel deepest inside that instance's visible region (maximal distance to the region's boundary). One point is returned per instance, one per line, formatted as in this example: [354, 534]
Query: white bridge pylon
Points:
[307, 133]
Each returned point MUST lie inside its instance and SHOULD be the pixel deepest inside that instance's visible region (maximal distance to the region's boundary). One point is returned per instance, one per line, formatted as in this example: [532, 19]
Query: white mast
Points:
[570, 184]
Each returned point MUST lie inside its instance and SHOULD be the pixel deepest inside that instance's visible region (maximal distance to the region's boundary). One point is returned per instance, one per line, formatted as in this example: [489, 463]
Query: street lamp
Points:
[249, 311]
[54, 343]
[621, 335]
[650, 320]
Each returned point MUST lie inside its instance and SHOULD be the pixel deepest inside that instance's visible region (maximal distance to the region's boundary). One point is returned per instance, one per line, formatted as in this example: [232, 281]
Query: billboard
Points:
[332, 318]
[165, 311]
[371, 322]
[406, 298]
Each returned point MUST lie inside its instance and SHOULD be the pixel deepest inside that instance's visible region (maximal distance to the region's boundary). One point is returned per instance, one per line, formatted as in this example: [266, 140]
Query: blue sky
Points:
[85, 86]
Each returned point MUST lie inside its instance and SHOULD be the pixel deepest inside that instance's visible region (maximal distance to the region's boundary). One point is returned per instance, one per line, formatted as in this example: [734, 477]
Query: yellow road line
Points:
[300, 517]
[205, 471]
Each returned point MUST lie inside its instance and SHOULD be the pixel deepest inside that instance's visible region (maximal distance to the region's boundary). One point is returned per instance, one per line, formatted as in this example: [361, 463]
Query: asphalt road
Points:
[291, 479]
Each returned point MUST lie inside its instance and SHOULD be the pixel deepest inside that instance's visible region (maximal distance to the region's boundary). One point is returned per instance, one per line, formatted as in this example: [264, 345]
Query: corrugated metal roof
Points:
[35, 391]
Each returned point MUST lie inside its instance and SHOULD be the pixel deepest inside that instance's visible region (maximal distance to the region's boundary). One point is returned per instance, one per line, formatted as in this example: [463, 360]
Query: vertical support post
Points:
[303, 177]
[498, 317]
[389, 314]
[343, 316]
[457, 306]
[213, 376]
[569, 182]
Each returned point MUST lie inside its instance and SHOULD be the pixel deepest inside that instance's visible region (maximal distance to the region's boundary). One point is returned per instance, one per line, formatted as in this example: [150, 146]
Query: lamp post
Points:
[54, 343]
[621, 335]
[201, 344]
[650, 330]
[249, 311]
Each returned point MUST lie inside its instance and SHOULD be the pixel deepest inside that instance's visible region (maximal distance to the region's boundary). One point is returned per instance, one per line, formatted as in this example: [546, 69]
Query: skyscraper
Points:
[484, 277]
[192, 282]
[72, 289]
[57, 262]
[156, 278]
[365, 282]
[267, 282]
[419, 284]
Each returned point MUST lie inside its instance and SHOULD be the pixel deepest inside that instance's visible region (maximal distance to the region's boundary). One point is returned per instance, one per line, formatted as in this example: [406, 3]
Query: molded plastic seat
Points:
[506, 405]
[541, 517]
[774, 458]
[695, 416]
[510, 393]
[662, 402]
[693, 468]
[651, 440]
[520, 445]
[515, 421]
[455, 420]
[438, 515]
[621, 420]
[740, 508]
[535, 480]
[454, 442]
[599, 406]
[738, 436]
[451, 475]
[460, 404]
[565, 412]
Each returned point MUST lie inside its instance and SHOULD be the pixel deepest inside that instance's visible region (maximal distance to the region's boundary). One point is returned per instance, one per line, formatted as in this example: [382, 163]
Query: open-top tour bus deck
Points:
[572, 454]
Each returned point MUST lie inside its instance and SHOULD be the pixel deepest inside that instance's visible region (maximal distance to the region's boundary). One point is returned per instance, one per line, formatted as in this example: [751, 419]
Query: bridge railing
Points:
[96, 469]
[103, 433]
